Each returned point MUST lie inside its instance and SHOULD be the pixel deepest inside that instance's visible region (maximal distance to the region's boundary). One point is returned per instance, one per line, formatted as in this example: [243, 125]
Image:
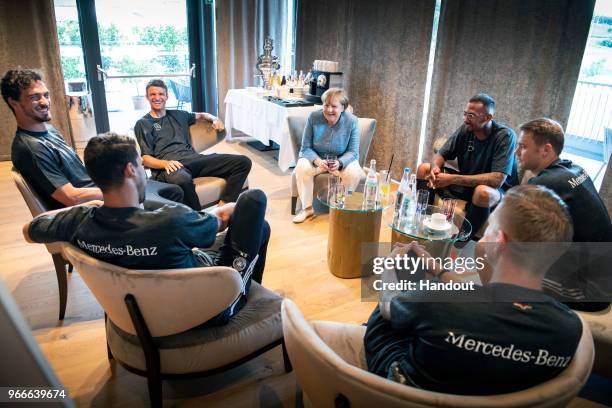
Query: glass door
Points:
[588, 135]
[78, 94]
[141, 40]
[110, 49]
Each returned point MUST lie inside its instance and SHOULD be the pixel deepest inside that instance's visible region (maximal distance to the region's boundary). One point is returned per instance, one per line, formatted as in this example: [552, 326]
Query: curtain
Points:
[526, 54]
[383, 50]
[28, 39]
[241, 27]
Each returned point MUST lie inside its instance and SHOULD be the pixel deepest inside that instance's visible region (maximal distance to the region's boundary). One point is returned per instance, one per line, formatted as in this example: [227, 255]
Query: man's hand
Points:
[433, 175]
[417, 250]
[172, 166]
[400, 248]
[443, 180]
[217, 124]
[223, 214]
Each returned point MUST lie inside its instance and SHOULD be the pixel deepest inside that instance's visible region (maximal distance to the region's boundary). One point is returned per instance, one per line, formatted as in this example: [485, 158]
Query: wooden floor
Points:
[296, 267]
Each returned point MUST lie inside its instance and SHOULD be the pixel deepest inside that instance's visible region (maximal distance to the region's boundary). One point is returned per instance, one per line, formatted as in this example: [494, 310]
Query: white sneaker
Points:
[303, 215]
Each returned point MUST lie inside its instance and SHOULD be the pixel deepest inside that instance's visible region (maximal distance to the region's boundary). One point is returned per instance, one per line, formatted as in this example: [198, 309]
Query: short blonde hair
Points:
[538, 226]
[335, 93]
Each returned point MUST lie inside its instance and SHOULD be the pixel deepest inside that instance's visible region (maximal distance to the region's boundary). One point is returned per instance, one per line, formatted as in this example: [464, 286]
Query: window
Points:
[588, 140]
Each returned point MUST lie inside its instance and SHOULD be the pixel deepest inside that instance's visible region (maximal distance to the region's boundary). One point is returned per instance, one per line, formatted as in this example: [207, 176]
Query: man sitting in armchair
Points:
[501, 337]
[43, 158]
[163, 136]
[484, 150]
[121, 233]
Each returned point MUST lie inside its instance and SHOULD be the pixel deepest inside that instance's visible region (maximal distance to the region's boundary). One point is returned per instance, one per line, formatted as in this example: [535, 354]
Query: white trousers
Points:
[305, 173]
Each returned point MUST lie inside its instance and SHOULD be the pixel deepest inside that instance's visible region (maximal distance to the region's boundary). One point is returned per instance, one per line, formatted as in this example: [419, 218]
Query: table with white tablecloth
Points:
[263, 120]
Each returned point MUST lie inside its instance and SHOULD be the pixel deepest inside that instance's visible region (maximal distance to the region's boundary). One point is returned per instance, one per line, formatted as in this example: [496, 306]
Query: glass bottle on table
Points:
[370, 194]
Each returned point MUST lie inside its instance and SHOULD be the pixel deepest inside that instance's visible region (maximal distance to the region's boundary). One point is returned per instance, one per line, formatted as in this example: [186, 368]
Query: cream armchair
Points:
[36, 206]
[329, 362]
[600, 324]
[367, 127]
[154, 318]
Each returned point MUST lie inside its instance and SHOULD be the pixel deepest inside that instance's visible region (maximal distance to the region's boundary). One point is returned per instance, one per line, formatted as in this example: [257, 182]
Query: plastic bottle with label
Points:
[370, 193]
[403, 187]
[408, 205]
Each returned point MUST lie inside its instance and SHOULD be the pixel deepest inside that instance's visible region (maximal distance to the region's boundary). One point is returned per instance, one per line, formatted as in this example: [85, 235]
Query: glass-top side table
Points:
[419, 228]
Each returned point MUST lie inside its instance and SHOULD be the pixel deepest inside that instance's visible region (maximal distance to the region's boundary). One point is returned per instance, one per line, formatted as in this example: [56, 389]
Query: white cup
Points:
[438, 221]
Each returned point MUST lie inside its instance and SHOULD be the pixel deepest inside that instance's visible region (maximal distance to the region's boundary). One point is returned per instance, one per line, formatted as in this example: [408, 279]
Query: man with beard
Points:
[484, 152]
[42, 156]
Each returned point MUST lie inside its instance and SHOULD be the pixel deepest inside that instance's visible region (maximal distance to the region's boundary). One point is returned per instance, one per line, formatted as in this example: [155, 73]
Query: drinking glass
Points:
[339, 194]
[385, 187]
[332, 181]
[448, 208]
[330, 159]
[422, 201]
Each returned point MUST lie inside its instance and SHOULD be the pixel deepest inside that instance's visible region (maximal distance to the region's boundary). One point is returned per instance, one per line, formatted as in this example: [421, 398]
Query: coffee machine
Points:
[323, 76]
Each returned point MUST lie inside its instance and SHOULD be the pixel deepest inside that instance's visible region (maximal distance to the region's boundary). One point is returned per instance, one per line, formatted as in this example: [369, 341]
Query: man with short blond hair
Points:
[539, 145]
[504, 336]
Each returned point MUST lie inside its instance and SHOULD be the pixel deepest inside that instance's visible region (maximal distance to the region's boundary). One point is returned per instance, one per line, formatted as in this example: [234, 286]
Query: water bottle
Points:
[408, 205]
[403, 187]
[371, 188]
